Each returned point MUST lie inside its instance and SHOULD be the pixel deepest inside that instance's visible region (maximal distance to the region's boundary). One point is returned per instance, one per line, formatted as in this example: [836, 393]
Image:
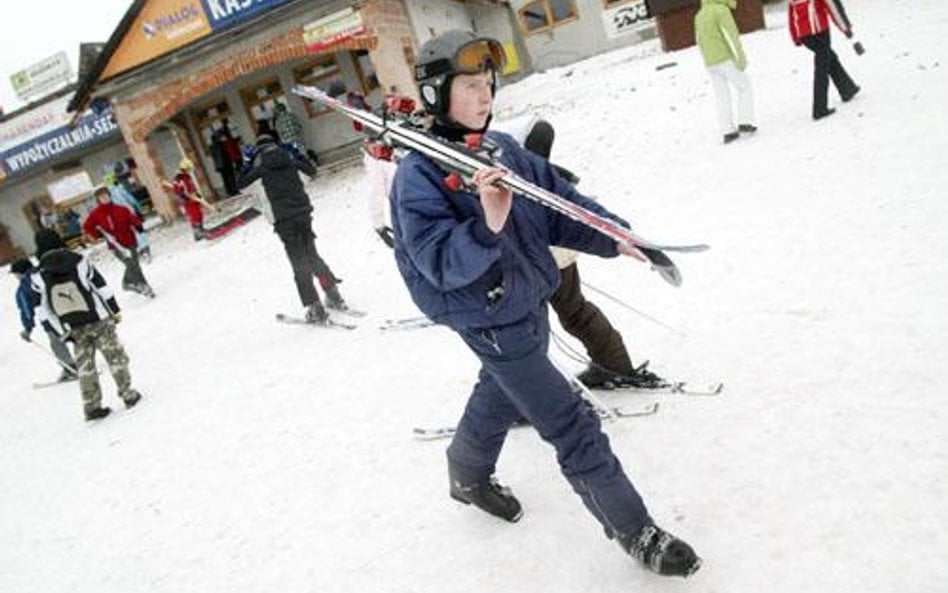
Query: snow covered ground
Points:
[280, 458]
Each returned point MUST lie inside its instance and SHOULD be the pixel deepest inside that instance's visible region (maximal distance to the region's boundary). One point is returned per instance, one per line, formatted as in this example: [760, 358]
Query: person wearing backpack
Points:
[23, 269]
[73, 300]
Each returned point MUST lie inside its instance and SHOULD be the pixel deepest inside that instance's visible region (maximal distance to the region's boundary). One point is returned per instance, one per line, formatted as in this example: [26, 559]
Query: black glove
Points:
[25, 334]
[387, 235]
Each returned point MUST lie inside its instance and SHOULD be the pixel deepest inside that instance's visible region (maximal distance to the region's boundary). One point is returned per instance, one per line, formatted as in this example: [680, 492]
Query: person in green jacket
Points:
[720, 44]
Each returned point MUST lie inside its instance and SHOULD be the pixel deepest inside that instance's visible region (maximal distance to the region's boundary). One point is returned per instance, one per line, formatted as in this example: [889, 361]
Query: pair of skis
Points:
[329, 323]
[463, 162]
[605, 412]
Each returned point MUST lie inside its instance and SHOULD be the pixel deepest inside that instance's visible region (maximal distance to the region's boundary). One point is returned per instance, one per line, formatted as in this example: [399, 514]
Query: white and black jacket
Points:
[69, 292]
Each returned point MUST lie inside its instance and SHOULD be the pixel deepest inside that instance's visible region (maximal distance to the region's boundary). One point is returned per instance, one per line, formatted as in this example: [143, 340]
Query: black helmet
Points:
[449, 54]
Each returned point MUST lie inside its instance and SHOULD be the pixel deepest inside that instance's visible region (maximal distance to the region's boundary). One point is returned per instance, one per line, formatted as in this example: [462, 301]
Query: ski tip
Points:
[670, 274]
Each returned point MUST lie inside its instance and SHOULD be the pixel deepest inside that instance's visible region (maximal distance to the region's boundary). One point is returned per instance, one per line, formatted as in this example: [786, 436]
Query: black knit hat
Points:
[21, 266]
[47, 240]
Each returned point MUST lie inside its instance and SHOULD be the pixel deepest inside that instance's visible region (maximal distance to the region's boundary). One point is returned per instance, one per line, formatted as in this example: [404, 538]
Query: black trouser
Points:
[229, 176]
[133, 276]
[300, 244]
[588, 324]
[825, 66]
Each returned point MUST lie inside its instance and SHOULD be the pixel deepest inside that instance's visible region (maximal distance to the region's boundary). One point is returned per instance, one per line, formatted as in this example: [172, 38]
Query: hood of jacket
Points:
[732, 4]
[275, 158]
[59, 261]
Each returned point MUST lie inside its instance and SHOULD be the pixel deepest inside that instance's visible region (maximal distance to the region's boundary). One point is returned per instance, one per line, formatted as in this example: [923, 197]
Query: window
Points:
[543, 14]
[261, 100]
[208, 118]
[320, 73]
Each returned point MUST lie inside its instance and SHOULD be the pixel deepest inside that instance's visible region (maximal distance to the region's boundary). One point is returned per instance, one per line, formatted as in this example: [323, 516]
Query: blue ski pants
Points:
[517, 380]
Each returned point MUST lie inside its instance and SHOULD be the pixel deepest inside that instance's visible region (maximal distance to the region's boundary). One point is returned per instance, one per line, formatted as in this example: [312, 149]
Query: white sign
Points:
[41, 77]
[33, 123]
[332, 29]
[70, 186]
[627, 18]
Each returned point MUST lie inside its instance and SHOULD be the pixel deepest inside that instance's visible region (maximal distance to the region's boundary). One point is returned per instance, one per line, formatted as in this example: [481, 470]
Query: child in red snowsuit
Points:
[185, 188]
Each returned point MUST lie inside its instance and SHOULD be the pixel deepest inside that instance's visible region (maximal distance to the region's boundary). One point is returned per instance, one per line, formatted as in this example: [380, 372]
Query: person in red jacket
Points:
[809, 26]
[186, 191]
[117, 225]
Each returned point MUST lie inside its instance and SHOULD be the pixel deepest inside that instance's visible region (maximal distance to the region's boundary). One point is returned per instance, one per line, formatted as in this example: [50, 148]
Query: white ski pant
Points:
[723, 77]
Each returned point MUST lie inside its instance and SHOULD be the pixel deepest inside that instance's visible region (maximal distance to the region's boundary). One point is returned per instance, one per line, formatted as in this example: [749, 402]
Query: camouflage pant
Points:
[100, 335]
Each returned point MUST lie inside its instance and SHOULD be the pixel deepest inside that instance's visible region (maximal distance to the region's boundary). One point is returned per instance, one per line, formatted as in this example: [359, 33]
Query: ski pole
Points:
[56, 358]
[586, 393]
[633, 309]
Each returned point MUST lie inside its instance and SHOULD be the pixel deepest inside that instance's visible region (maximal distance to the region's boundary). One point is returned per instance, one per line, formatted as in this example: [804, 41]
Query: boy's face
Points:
[471, 99]
[103, 197]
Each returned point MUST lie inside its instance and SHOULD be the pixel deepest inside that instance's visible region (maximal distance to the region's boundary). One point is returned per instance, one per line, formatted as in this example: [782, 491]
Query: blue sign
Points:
[57, 143]
[225, 13]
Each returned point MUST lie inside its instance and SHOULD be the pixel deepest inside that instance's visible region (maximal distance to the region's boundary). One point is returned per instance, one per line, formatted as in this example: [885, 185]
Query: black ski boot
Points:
[316, 314]
[597, 377]
[132, 399]
[661, 552]
[489, 496]
[98, 413]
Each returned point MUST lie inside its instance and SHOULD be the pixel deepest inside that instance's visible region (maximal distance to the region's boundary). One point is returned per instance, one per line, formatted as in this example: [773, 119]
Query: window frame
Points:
[548, 12]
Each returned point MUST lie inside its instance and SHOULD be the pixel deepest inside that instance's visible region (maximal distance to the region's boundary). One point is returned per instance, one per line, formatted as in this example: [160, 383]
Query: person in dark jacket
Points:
[118, 225]
[23, 269]
[72, 298]
[279, 168]
[809, 26]
[223, 162]
[479, 262]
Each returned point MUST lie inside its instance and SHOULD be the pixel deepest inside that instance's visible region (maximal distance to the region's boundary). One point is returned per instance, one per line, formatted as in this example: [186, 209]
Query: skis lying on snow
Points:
[445, 432]
[328, 324]
[461, 162]
[406, 324]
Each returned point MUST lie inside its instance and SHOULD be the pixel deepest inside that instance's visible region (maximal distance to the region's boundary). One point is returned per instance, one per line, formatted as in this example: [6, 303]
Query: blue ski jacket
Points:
[25, 302]
[459, 272]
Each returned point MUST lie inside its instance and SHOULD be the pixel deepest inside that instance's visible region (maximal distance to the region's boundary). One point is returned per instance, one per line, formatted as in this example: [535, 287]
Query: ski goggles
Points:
[473, 57]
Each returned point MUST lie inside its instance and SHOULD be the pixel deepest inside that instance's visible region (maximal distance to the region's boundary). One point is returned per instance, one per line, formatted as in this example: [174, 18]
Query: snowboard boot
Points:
[597, 377]
[731, 137]
[132, 399]
[316, 314]
[488, 495]
[98, 413]
[661, 552]
[747, 128]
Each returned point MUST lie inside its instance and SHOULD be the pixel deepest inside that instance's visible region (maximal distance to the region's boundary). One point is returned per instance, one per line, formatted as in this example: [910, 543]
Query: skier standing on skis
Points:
[479, 262]
[73, 299]
[117, 225]
[279, 170]
[23, 269]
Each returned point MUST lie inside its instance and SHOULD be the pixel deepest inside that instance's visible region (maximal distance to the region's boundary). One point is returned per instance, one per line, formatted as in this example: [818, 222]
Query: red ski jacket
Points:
[810, 17]
[118, 221]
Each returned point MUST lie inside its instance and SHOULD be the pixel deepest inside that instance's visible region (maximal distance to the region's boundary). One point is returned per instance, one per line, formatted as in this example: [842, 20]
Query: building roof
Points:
[91, 77]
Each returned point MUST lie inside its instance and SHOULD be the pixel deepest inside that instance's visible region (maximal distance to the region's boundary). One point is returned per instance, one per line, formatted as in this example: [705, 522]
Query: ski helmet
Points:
[449, 54]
